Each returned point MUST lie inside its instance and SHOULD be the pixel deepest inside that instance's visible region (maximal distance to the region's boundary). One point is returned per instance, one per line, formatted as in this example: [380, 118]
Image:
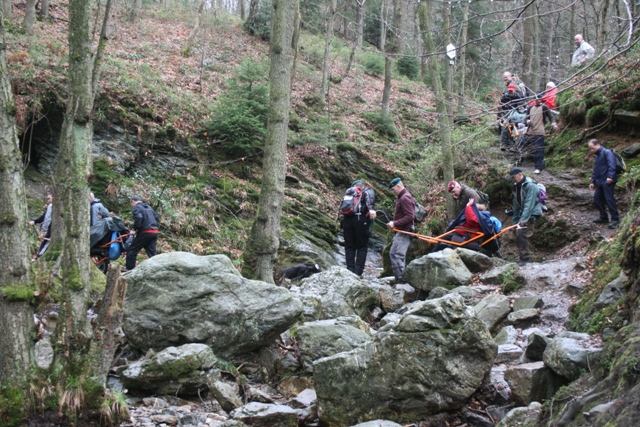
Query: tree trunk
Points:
[604, 26]
[44, 9]
[534, 82]
[360, 23]
[137, 10]
[424, 11]
[528, 43]
[7, 9]
[463, 58]
[295, 41]
[16, 322]
[392, 49]
[264, 240]
[572, 29]
[242, 9]
[448, 68]
[254, 5]
[326, 62]
[194, 32]
[383, 26]
[29, 15]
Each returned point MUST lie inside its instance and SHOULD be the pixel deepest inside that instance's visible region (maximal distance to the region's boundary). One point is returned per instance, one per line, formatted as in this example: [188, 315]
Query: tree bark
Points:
[194, 32]
[530, 47]
[16, 321]
[136, 10]
[264, 240]
[326, 62]
[241, 7]
[383, 25]
[360, 23]
[44, 9]
[463, 58]
[29, 15]
[604, 26]
[448, 68]
[392, 49]
[295, 41]
[424, 11]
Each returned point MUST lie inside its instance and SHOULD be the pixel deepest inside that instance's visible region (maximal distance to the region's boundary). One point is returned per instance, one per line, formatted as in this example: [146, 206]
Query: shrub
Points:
[408, 66]
[374, 64]
[259, 25]
[383, 124]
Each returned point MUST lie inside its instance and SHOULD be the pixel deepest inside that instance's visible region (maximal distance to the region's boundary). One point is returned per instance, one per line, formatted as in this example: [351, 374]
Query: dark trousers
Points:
[143, 240]
[604, 196]
[536, 145]
[522, 238]
[356, 239]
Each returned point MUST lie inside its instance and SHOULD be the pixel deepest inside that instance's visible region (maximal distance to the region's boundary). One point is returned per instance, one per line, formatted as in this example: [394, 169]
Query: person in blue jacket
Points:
[603, 181]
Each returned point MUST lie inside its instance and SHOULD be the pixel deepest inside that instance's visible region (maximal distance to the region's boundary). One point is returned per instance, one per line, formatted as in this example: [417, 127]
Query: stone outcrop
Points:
[258, 414]
[532, 382]
[567, 357]
[178, 298]
[432, 359]
[443, 268]
[478, 262]
[492, 309]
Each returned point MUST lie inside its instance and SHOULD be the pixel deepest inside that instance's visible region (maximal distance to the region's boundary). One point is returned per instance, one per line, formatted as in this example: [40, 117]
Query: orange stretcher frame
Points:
[440, 239]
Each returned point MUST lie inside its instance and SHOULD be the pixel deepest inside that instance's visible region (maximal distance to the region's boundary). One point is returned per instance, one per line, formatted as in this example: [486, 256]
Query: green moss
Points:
[8, 219]
[511, 282]
[17, 292]
[13, 404]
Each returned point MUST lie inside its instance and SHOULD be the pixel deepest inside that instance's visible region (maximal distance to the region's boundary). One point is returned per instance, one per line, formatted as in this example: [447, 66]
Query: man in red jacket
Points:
[402, 220]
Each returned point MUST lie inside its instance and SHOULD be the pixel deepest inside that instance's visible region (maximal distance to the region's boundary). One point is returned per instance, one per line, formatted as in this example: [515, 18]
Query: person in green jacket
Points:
[526, 211]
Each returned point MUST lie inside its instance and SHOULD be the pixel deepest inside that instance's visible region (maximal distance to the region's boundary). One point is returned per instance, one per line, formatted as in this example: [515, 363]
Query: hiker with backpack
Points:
[537, 116]
[462, 194]
[403, 218]
[526, 211]
[357, 209]
[145, 229]
[98, 211]
[603, 181]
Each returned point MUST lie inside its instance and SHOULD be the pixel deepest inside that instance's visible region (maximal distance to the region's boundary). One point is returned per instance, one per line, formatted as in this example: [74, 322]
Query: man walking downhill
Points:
[145, 228]
[356, 228]
[98, 211]
[583, 51]
[403, 218]
[462, 194]
[526, 211]
[603, 181]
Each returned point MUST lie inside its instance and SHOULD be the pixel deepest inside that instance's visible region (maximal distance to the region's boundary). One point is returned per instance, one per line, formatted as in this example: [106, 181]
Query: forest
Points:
[242, 123]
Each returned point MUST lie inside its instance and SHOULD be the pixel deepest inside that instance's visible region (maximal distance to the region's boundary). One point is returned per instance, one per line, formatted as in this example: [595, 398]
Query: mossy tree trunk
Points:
[392, 49]
[530, 47]
[29, 15]
[326, 62]
[424, 12]
[15, 314]
[463, 58]
[264, 240]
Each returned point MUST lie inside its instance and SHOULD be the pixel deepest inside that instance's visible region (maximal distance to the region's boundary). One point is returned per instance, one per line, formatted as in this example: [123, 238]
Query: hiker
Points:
[300, 271]
[549, 96]
[98, 211]
[145, 229]
[464, 225]
[603, 181]
[513, 125]
[583, 51]
[403, 218]
[537, 117]
[356, 226]
[526, 211]
[509, 79]
[45, 228]
[462, 194]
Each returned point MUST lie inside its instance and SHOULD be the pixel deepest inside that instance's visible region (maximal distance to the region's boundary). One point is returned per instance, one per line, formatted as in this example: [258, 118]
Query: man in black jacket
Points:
[145, 228]
[603, 181]
[356, 228]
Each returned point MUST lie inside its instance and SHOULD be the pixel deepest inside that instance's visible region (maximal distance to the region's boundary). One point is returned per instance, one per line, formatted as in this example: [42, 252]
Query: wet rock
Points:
[478, 262]
[518, 416]
[264, 394]
[466, 292]
[378, 423]
[499, 412]
[536, 344]
[532, 382]
[612, 292]
[507, 335]
[598, 410]
[579, 336]
[508, 354]
[183, 370]
[497, 389]
[492, 309]
[433, 359]
[473, 419]
[437, 292]
[496, 275]
[306, 397]
[43, 353]
[569, 358]
[179, 297]
[164, 419]
[334, 293]
[443, 268]
[292, 386]
[324, 338]
[527, 302]
[523, 317]
[394, 297]
[390, 318]
[625, 116]
[266, 415]
[631, 151]
[226, 395]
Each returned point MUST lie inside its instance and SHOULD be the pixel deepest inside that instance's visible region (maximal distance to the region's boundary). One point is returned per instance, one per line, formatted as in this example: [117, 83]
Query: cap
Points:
[357, 181]
[514, 172]
[394, 182]
[451, 186]
[136, 198]
[511, 87]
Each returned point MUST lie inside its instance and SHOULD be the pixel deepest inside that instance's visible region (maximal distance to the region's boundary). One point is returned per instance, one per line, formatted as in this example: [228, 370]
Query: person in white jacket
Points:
[583, 51]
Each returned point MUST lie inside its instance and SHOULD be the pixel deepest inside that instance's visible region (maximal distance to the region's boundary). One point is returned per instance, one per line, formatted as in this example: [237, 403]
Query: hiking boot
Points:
[614, 224]
[601, 220]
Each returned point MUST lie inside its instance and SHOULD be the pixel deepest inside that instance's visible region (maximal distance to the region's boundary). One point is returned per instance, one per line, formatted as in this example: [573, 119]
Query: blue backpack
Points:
[115, 248]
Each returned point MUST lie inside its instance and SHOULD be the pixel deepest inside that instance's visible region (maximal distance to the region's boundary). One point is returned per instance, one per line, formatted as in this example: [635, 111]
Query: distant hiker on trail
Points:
[45, 228]
[358, 213]
[403, 218]
[583, 52]
[603, 181]
[145, 228]
[462, 194]
[521, 88]
[526, 211]
[98, 211]
[549, 96]
[513, 126]
[537, 117]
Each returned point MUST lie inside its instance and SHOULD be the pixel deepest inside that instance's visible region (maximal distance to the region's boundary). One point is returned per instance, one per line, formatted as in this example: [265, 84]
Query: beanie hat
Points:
[511, 87]
[514, 172]
[551, 85]
[451, 186]
[394, 182]
[357, 181]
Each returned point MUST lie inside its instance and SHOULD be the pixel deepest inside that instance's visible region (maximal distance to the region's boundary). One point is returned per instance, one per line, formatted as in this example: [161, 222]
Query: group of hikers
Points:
[144, 231]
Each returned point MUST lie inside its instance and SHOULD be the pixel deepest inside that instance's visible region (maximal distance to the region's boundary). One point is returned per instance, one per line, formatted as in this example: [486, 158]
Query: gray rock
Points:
[536, 344]
[324, 338]
[183, 370]
[179, 297]
[524, 316]
[437, 292]
[466, 292]
[508, 354]
[226, 395]
[578, 336]
[433, 359]
[478, 262]
[43, 353]
[266, 415]
[492, 309]
[378, 423]
[394, 297]
[443, 268]
[507, 335]
[568, 358]
[496, 275]
[164, 419]
[625, 116]
[527, 302]
[390, 318]
[262, 394]
[306, 397]
[518, 416]
[598, 410]
[631, 151]
[475, 420]
[532, 382]
[612, 292]
[334, 293]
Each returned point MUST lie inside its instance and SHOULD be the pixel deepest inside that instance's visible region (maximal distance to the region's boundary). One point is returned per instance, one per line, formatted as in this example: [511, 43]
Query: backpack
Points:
[115, 249]
[350, 204]
[621, 166]
[484, 198]
[420, 213]
[497, 224]
[542, 192]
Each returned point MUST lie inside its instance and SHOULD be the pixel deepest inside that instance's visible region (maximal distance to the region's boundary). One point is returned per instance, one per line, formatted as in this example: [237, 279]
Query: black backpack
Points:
[484, 198]
[621, 166]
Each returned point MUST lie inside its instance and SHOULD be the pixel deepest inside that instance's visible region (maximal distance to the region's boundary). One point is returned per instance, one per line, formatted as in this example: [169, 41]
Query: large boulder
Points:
[443, 268]
[178, 298]
[430, 360]
[478, 262]
[266, 415]
[324, 338]
[532, 382]
[183, 370]
[567, 357]
[334, 293]
[492, 309]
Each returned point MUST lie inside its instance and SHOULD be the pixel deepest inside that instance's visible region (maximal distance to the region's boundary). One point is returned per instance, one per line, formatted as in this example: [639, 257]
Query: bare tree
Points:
[392, 49]
[264, 239]
[29, 15]
[530, 47]
[326, 62]
[462, 63]
[44, 9]
[196, 28]
[16, 321]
